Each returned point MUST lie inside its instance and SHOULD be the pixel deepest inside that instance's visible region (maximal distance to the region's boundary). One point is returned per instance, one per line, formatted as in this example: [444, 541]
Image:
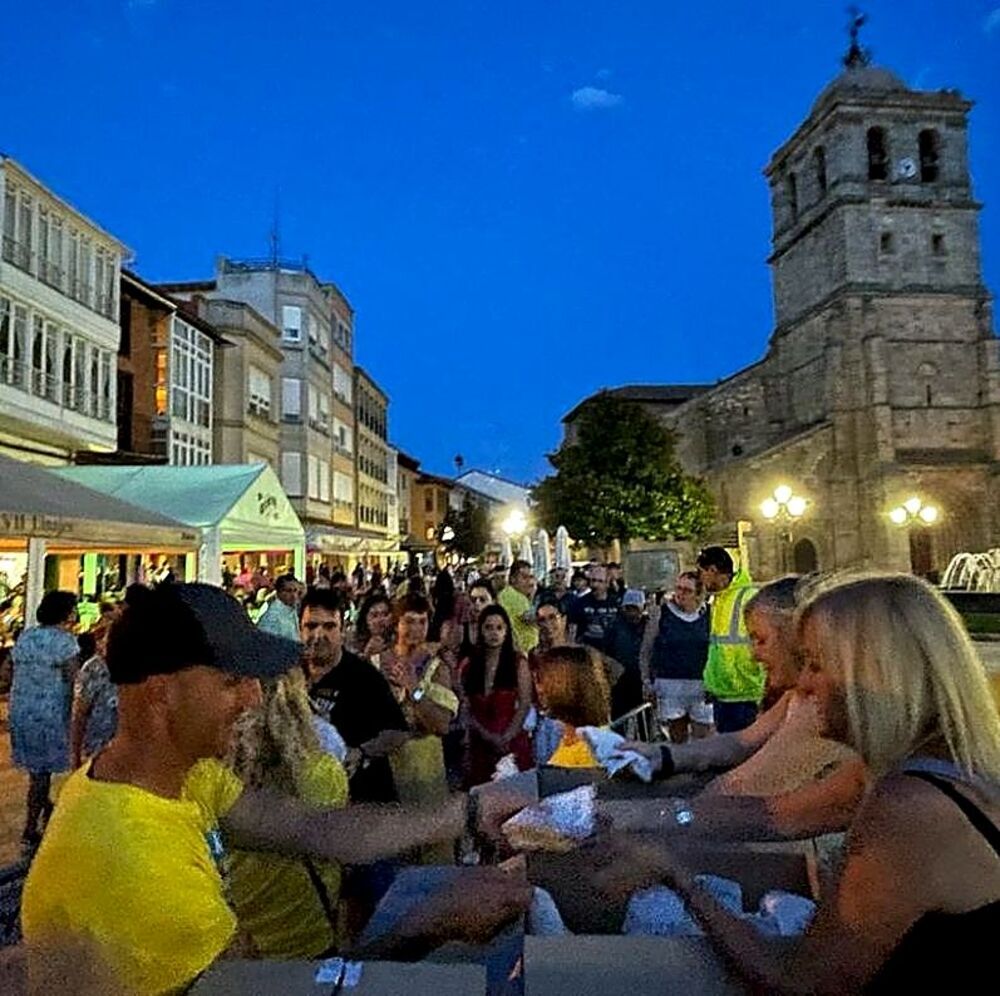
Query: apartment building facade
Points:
[371, 413]
[407, 471]
[59, 330]
[247, 383]
[167, 366]
[318, 404]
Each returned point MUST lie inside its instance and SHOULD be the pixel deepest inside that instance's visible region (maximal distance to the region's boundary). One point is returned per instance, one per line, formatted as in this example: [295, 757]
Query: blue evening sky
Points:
[509, 247]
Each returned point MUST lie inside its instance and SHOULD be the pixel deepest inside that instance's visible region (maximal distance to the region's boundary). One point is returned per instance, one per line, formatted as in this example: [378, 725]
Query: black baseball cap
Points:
[175, 626]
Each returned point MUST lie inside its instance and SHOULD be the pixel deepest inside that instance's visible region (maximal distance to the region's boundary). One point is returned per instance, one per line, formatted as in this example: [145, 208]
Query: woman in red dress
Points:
[498, 691]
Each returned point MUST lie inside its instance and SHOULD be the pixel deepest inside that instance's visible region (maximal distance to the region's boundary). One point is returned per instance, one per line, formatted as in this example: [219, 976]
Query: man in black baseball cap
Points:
[131, 870]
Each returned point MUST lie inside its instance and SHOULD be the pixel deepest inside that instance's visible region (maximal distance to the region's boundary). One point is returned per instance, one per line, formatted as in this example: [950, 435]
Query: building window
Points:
[291, 323]
[25, 257]
[343, 386]
[929, 145]
[343, 437]
[878, 158]
[429, 501]
[886, 243]
[792, 192]
[190, 375]
[100, 282]
[84, 288]
[291, 473]
[67, 371]
[54, 266]
[73, 264]
[162, 388]
[43, 244]
[38, 356]
[94, 401]
[80, 375]
[343, 489]
[52, 362]
[9, 225]
[107, 405]
[291, 399]
[342, 335]
[819, 160]
[937, 244]
[313, 476]
[259, 393]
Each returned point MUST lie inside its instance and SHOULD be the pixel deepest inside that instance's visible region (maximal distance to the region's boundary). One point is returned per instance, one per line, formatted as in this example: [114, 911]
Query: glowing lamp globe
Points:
[929, 514]
[796, 506]
[769, 508]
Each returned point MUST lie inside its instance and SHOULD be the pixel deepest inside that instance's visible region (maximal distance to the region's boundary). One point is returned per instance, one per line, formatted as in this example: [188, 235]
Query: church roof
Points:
[661, 394]
[862, 80]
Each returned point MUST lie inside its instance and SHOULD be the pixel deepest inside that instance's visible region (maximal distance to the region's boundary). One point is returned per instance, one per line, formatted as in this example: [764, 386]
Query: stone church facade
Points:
[882, 377]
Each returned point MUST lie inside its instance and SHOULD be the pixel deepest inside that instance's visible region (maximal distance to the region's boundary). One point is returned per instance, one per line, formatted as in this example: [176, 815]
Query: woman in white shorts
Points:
[677, 661]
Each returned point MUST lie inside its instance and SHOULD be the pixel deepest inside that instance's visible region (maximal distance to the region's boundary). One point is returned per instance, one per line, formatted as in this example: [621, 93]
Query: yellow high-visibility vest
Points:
[731, 674]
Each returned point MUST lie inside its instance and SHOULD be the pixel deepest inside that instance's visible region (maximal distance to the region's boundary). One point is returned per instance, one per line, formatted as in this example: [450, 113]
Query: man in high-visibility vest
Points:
[733, 679]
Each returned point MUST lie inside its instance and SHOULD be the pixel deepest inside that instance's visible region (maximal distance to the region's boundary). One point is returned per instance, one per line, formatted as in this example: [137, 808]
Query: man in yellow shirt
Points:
[516, 602]
[131, 873]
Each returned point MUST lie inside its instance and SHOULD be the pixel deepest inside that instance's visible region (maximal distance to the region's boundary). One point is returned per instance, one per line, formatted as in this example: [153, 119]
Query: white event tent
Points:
[42, 513]
[238, 507]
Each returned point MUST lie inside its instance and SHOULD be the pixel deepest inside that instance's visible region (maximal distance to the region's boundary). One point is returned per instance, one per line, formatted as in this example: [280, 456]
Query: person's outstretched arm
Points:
[721, 752]
[357, 835]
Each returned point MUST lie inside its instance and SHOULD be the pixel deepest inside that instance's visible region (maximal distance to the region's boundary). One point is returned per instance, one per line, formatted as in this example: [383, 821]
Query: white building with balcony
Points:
[59, 327]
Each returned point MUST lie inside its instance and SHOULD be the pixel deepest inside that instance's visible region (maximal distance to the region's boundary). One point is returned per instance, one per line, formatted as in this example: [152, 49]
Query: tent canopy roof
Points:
[242, 498]
[29, 489]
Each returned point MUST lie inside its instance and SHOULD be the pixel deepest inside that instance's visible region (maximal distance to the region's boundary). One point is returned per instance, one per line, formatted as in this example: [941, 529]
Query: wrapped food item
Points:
[557, 823]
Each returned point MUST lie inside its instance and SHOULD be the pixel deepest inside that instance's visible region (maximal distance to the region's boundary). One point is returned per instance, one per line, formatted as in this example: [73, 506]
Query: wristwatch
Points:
[677, 811]
[683, 817]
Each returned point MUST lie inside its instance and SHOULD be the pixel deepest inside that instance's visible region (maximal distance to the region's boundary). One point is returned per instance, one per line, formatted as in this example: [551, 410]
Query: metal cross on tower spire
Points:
[857, 56]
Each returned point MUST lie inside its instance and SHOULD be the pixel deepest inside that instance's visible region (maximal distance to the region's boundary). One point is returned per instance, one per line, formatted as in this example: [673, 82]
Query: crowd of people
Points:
[365, 723]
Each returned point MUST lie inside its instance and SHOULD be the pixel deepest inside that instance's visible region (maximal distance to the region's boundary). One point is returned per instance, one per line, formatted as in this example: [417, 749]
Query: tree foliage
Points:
[470, 526]
[621, 479]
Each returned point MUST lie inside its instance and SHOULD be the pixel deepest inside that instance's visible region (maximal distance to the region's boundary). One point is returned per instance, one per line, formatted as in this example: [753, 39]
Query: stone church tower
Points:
[881, 379]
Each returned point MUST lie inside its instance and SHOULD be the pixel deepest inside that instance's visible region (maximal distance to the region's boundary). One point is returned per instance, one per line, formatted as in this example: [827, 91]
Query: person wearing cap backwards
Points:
[622, 642]
[127, 892]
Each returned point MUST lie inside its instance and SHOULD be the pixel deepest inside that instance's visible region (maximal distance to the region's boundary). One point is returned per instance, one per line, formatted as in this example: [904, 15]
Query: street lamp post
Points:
[513, 525]
[915, 512]
[783, 508]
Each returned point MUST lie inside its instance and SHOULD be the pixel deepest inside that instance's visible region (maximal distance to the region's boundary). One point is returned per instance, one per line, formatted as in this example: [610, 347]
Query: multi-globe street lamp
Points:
[783, 507]
[915, 516]
[914, 511]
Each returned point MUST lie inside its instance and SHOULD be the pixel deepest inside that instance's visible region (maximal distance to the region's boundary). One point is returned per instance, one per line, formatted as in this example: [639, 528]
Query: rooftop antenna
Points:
[857, 56]
[274, 237]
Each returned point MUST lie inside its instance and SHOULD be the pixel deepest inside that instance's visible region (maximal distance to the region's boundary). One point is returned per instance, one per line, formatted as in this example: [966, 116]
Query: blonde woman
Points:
[917, 905]
[289, 906]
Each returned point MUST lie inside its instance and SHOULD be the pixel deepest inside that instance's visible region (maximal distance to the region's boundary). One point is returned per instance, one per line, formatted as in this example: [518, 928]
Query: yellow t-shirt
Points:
[573, 752]
[131, 876]
[275, 899]
[515, 605]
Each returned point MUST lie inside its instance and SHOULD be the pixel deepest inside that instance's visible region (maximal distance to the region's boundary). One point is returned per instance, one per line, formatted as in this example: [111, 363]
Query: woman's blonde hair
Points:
[909, 672]
[272, 743]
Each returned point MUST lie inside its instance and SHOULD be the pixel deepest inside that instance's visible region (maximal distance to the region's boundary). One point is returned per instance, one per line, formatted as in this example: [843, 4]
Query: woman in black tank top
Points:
[917, 905]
